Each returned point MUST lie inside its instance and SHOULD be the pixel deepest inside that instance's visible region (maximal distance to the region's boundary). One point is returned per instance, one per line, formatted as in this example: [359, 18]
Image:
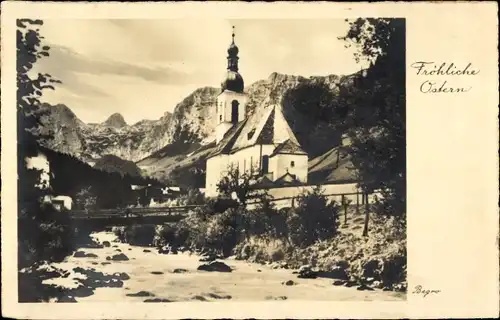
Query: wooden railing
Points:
[150, 211]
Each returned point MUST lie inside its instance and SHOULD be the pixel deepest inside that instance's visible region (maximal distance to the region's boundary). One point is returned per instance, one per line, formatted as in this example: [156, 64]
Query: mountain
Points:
[184, 163]
[116, 121]
[111, 163]
[178, 142]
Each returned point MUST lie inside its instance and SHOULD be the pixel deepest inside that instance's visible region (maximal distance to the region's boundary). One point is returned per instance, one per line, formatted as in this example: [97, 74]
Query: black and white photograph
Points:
[202, 160]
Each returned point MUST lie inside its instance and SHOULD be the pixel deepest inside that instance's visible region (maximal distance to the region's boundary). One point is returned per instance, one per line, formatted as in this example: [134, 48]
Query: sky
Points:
[143, 68]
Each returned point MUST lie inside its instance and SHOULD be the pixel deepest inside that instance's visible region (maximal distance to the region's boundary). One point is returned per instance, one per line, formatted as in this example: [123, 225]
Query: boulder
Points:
[215, 266]
[147, 250]
[81, 254]
[164, 250]
[119, 257]
[141, 294]
[106, 244]
[156, 272]
[207, 257]
[179, 270]
[118, 250]
[339, 282]
[364, 287]
[121, 275]
[157, 300]
[66, 299]
[289, 283]
[306, 272]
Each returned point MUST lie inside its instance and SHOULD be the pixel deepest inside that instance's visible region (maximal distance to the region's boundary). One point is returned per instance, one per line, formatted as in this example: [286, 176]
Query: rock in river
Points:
[215, 266]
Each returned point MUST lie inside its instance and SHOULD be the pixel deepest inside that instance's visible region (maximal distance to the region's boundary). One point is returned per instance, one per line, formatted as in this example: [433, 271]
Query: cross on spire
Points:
[233, 34]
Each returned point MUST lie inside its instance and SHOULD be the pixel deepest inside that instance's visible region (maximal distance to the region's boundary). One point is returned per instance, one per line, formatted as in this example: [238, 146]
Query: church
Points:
[261, 144]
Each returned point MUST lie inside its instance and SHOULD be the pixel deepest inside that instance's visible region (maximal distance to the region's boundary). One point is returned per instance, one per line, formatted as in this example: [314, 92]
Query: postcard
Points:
[249, 160]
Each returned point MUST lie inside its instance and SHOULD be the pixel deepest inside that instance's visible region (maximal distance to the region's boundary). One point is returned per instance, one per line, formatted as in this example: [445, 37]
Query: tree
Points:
[85, 199]
[43, 233]
[378, 136]
[29, 89]
[314, 218]
[316, 115]
[239, 185]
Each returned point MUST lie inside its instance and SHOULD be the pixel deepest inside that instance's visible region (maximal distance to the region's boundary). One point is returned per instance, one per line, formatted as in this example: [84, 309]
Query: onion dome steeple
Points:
[232, 80]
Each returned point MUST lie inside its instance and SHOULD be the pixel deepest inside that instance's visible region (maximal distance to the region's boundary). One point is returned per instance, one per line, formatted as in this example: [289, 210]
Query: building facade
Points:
[262, 144]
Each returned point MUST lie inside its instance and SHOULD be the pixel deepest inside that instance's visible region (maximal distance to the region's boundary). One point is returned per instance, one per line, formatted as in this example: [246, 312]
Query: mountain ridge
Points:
[189, 126]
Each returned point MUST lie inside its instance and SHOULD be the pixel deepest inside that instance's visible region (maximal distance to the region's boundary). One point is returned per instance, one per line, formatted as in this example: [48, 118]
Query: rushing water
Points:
[150, 276]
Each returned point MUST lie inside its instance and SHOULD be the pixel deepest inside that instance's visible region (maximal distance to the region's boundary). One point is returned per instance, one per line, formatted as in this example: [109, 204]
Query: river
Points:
[152, 277]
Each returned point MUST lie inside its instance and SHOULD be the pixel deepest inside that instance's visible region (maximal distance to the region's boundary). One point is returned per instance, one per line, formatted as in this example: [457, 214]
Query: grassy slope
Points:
[321, 169]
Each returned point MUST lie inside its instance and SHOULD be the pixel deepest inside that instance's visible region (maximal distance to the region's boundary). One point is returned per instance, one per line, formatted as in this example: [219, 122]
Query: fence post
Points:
[293, 202]
[357, 202]
[367, 215]
[344, 204]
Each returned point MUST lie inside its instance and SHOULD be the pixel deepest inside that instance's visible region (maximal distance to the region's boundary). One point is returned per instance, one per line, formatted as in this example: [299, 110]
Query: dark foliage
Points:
[379, 135]
[316, 115]
[111, 163]
[313, 219]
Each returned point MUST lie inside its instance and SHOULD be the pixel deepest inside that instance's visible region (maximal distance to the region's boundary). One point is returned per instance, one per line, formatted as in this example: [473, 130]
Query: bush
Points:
[139, 235]
[261, 250]
[313, 219]
[45, 234]
[224, 230]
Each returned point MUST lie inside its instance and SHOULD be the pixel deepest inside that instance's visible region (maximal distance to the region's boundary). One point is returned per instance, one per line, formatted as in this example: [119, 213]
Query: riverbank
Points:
[146, 275]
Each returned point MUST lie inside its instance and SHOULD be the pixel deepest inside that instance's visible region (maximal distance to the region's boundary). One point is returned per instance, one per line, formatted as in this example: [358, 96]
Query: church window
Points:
[251, 133]
[234, 111]
[220, 117]
[265, 164]
[292, 164]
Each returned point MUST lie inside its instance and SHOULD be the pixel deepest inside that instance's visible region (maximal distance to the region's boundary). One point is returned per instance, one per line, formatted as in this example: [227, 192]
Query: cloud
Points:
[142, 68]
[62, 57]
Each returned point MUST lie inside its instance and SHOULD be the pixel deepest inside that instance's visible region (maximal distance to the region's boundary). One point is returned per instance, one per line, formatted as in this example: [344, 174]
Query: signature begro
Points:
[424, 292]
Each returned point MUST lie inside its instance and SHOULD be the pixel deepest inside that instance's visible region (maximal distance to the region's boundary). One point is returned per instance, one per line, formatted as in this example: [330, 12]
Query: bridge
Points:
[118, 217]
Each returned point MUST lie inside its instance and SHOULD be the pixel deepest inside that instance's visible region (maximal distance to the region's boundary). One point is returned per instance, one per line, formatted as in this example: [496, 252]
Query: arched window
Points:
[292, 164]
[265, 164]
[234, 111]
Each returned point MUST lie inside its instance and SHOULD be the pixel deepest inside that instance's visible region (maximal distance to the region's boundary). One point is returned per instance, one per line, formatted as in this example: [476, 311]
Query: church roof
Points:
[266, 126]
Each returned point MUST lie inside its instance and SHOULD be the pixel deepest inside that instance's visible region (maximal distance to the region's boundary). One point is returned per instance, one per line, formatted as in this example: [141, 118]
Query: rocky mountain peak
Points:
[116, 120]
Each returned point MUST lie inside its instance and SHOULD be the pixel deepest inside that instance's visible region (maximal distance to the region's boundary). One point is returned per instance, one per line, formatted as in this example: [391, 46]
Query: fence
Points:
[354, 198]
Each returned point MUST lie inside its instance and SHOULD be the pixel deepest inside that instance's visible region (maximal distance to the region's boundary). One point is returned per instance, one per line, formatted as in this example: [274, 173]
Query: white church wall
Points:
[244, 159]
[224, 105]
[292, 163]
[216, 168]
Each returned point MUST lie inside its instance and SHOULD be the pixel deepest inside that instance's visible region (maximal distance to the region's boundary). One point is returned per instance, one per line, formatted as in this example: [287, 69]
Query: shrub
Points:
[140, 235]
[313, 219]
[45, 234]
[224, 230]
[260, 249]
[165, 234]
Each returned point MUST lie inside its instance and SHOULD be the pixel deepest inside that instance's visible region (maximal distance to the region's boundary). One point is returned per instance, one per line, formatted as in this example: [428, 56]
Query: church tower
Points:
[230, 108]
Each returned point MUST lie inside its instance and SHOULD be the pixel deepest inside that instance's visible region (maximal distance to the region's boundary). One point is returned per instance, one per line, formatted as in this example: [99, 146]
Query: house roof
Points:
[287, 179]
[266, 126]
[288, 147]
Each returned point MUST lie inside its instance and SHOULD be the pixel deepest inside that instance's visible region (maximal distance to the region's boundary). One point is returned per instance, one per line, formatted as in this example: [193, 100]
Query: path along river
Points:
[150, 276]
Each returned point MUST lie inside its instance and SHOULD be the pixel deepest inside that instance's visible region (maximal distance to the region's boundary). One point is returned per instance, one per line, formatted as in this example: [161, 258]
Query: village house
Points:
[262, 144]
